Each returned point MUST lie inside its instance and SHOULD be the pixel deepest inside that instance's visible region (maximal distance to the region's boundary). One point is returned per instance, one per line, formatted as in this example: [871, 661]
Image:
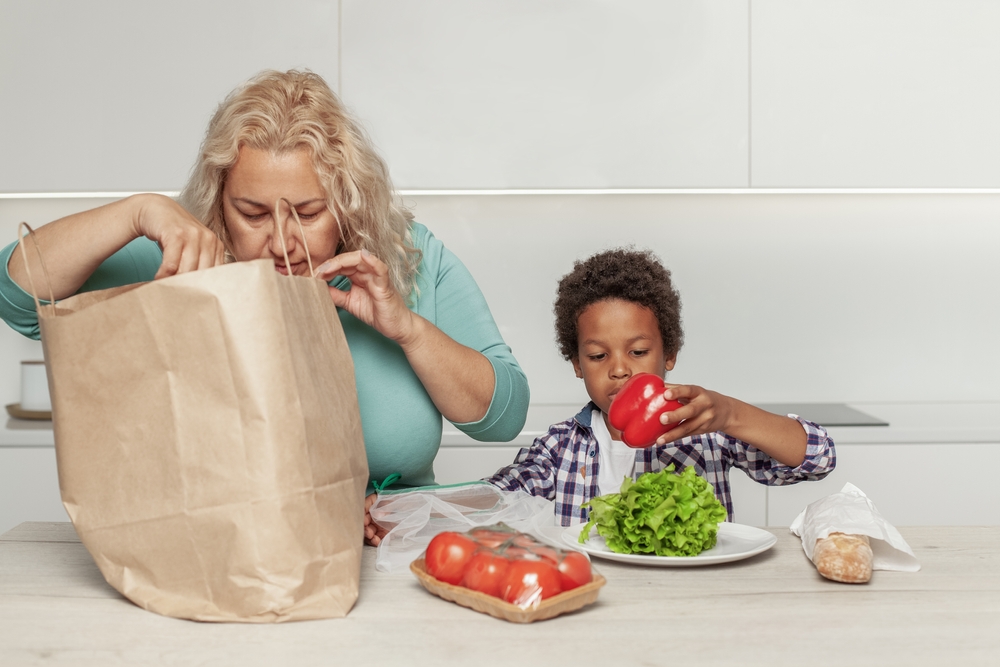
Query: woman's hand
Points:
[187, 244]
[372, 298]
[73, 247]
[458, 379]
[373, 532]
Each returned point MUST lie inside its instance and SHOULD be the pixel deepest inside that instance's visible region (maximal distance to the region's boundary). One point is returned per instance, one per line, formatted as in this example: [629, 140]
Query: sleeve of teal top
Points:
[461, 312]
[135, 263]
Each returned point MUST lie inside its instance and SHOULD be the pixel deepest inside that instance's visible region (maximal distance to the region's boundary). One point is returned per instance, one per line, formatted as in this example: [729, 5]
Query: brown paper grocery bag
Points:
[209, 443]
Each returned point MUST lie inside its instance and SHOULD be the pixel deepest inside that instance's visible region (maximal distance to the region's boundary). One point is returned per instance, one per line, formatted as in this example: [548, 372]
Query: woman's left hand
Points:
[372, 298]
[373, 532]
[703, 411]
[458, 379]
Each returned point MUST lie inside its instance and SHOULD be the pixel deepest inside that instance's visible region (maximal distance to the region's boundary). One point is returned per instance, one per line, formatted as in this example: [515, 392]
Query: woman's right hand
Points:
[73, 247]
[187, 244]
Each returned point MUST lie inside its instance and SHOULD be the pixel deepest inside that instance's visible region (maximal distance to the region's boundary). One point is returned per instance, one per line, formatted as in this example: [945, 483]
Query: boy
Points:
[618, 314]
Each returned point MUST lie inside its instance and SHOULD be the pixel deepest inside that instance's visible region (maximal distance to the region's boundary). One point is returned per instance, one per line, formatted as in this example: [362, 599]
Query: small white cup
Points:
[34, 387]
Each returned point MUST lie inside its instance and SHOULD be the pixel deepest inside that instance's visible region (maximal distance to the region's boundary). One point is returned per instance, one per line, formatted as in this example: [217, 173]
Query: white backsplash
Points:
[786, 297]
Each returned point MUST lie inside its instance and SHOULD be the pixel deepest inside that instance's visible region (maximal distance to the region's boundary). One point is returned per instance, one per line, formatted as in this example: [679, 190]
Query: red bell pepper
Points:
[636, 410]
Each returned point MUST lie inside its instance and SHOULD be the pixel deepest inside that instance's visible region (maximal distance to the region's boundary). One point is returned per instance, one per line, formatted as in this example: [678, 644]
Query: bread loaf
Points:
[844, 558]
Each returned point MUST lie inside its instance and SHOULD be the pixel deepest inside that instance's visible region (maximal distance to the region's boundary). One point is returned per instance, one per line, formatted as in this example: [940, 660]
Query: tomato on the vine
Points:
[528, 582]
[485, 572]
[574, 570]
[447, 555]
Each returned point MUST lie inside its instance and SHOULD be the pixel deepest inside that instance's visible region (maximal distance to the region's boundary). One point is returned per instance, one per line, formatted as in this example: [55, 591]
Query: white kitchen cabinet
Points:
[933, 484]
[559, 94]
[464, 464]
[29, 486]
[749, 499]
[856, 94]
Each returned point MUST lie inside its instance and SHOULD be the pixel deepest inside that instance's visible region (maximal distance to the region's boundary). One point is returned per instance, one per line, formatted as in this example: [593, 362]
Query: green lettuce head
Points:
[661, 513]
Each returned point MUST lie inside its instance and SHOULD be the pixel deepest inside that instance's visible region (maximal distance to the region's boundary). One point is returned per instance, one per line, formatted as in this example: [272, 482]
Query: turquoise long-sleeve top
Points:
[402, 427]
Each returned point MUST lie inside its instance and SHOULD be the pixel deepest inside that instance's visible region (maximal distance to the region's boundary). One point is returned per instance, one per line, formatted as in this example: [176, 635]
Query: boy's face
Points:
[617, 339]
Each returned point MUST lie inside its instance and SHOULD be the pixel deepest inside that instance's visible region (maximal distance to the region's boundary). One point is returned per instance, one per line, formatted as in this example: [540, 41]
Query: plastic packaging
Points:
[413, 516]
[851, 512]
[506, 573]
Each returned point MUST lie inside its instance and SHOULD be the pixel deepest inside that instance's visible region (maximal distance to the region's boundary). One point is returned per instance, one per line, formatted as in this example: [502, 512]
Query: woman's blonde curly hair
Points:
[282, 111]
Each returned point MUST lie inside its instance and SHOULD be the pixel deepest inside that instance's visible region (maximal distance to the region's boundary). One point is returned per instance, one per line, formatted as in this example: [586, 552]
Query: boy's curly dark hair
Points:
[620, 273]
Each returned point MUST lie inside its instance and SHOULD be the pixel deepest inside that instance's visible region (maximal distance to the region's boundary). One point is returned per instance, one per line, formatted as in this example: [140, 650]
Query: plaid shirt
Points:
[563, 464]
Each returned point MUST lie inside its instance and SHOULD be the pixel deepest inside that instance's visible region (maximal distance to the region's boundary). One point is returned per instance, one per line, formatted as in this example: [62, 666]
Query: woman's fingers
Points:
[359, 264]
[373, 534]
[181, 255]
[372, 297]
[186, 243]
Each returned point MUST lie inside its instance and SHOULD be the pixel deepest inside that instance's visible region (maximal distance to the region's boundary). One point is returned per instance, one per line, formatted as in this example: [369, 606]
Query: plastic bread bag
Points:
[851, 512]
[413, 516]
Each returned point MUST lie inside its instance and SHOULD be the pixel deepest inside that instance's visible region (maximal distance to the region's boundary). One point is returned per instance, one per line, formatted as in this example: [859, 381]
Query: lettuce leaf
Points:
[662, 513]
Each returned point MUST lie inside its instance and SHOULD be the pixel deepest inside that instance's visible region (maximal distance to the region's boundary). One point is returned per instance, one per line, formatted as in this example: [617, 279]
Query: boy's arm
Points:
[533, 470]
[704, 411]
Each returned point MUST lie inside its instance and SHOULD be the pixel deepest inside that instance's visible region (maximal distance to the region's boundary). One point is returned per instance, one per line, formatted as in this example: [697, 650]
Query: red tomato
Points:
[637, 407]
[528, 582]
[447, 555]
[485, 573]
[574, 570]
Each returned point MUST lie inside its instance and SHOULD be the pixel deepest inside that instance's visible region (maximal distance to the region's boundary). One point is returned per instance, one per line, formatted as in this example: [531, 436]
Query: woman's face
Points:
[249, 199]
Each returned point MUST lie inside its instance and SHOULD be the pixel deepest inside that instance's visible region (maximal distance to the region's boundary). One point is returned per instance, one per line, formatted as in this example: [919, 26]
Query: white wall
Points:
[527, 94]
[846, 297]
[114, 95]
[854, 297]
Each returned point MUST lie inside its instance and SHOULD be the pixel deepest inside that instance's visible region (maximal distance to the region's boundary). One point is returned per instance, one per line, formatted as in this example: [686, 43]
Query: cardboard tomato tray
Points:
[487, 604]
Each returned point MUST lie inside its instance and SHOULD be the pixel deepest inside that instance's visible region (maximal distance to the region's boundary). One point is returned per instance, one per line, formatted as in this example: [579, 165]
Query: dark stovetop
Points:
[825, 414]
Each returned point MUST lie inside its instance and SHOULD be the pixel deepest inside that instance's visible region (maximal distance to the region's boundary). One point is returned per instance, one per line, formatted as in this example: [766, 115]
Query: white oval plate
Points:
[735, 542]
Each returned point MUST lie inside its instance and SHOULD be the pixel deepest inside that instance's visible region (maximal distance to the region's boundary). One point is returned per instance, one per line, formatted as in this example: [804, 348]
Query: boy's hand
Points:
[704, 411]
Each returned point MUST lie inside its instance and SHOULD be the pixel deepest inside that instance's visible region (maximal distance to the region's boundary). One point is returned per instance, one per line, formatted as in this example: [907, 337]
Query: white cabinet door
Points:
[555, 94]
[29, 486]
[749, 499]
[896, 93]
[910, 484]
[468, 463]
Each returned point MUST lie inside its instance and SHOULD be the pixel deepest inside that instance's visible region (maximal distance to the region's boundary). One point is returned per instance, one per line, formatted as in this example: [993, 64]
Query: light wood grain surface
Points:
[773, 609]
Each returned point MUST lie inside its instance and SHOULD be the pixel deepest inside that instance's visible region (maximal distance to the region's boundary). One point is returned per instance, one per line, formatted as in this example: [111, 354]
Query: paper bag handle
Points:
[27, 267]
[281, 232]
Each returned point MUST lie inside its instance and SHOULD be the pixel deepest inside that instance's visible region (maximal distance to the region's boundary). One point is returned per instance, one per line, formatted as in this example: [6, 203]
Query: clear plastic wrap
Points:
[508, 574]
[490, 550]
[413, 516]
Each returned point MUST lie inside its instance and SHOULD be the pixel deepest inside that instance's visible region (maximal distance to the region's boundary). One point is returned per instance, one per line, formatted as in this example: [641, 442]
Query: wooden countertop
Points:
[773, 609]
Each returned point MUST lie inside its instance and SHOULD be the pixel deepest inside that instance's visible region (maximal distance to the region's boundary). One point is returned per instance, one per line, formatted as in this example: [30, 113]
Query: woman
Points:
[421, 335]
